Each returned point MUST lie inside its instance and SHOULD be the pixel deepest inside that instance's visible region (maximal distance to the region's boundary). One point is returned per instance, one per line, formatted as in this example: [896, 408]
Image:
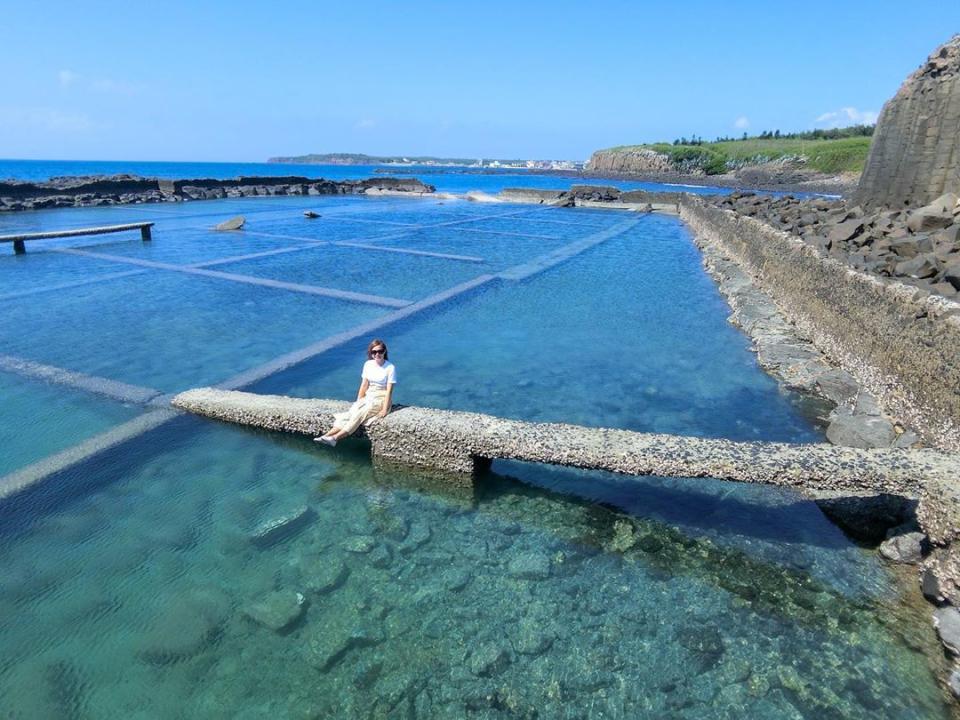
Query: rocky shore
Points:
[95, 190]
[919, 247]
[774, 176]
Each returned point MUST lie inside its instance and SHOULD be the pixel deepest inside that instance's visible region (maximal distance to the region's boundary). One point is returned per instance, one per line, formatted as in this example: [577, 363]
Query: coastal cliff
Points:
[819, 161]
[916, 154]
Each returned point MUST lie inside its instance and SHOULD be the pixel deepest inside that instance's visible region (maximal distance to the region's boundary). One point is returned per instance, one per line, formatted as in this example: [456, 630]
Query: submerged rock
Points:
[186, 626]
[334, 640]
[234, 223]
[282, 527]
[530, 566]
[325, 575]
[276, 610]
[489, 660]
[360, 544]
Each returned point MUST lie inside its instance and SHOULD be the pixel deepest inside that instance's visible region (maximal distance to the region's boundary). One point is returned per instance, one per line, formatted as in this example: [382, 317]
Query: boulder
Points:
[838, 386]
[952, 275]
[947, 622]
[938, 214]
[845, 231]
[325, 575]
[920, 267]
[276, 610]
[234, 223]
[861, 431]
[282, 527]
[906, 548]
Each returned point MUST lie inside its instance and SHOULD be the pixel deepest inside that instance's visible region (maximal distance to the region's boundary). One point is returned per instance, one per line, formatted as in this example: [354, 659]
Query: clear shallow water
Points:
[38, 419]
[136, 601]
[138, 591]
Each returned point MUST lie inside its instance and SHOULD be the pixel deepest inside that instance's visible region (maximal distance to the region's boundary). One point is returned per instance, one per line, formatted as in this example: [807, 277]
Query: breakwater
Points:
[899, 343]
[127, 189]
[456, 442]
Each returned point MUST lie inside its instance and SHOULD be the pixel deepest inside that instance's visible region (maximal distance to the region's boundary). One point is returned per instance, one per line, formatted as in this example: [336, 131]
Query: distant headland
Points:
[424, 160]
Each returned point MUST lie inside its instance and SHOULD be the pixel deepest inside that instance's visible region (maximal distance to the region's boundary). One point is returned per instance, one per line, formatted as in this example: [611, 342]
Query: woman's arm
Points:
[387, 401]
[364, 384]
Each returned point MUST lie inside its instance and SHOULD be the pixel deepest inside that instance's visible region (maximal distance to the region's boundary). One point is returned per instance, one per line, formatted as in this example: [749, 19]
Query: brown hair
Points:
[373, 344]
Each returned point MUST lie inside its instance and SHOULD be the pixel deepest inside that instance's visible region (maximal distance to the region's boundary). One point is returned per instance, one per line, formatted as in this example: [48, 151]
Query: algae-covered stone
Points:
[276, 610]
[282, 527]
[325, 574]
[360, 544]
[489, 660]
[530, 566]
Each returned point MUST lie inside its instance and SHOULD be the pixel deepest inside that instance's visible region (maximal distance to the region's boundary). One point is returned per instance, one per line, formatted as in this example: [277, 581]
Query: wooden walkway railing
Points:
[19, 248]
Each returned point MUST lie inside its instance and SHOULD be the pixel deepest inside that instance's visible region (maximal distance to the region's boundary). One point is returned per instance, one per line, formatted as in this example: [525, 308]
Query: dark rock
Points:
[838, 386]
[282, 527]
[867, 518]
[845, 231]
[922, 266]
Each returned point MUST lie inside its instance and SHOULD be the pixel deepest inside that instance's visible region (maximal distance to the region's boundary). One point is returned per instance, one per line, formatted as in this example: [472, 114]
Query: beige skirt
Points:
[363, 411]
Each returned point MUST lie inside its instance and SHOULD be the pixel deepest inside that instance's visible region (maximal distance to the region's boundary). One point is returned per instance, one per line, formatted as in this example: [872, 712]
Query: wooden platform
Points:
[18, 240]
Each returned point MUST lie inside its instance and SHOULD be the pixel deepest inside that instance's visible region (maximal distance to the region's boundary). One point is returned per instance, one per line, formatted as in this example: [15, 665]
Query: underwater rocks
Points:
[329, 644]
[282, 527]
[324, 574]
[100, 190]
[529, 566]
[186, 626]
[276, 610]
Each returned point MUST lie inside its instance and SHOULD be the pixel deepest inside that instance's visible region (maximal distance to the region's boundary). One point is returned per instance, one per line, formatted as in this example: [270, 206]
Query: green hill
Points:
[823, 154]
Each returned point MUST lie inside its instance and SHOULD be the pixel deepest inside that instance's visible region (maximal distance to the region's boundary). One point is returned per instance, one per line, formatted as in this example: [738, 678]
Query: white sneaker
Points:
[326, 440]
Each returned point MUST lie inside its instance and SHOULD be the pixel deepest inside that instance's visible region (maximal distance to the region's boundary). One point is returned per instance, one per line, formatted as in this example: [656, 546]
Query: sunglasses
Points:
[379, 351]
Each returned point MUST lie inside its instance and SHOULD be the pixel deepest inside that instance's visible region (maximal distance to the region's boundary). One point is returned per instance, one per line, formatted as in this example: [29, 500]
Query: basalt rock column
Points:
[915, 155]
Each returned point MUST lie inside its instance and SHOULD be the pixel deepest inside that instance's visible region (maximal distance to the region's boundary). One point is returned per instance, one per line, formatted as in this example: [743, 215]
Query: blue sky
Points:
[242, 81]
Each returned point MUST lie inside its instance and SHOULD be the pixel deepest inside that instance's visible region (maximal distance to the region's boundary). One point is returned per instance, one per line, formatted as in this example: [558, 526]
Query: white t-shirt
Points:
[379, 375]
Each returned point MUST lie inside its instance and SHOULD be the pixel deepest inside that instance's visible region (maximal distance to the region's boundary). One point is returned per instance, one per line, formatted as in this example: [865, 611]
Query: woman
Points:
[374, 398]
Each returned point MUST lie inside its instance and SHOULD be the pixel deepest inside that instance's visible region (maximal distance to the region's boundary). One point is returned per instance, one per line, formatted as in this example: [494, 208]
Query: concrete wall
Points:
[900, 343]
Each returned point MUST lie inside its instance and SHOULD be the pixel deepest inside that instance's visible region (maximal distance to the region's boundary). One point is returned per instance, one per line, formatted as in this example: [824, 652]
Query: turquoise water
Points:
[140, 589]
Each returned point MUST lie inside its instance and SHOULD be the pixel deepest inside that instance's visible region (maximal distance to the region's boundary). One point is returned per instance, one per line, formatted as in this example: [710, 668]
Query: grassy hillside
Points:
[846, 154]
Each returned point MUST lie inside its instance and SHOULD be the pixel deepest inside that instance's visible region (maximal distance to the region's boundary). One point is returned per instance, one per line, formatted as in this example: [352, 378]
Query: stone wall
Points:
[901, 344]
[915, 155]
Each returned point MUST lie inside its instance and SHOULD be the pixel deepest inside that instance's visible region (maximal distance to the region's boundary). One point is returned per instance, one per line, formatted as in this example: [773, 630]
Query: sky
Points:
[245, 81]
